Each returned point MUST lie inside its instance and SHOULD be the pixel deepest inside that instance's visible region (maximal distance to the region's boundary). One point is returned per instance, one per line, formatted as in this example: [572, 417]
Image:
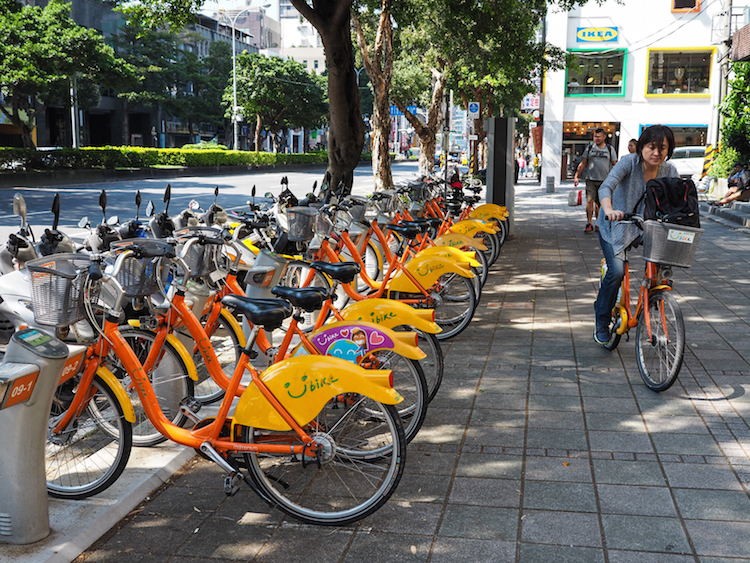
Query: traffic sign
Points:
[473, 110]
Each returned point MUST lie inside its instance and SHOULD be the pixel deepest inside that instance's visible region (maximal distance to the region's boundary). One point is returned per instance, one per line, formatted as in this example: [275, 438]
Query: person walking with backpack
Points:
[623, 192]
[597, 160]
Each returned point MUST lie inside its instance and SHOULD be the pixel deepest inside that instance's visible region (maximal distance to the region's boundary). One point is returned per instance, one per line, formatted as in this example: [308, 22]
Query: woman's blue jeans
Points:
[605, 301]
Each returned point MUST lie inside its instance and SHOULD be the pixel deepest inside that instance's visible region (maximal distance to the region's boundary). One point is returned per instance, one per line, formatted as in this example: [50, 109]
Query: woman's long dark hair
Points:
[655, 134]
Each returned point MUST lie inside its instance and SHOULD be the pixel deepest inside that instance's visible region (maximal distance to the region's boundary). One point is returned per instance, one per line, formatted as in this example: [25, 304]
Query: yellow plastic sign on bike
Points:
[390, 313]
[459, 240]
[451, 252]
[427, 270]
[490, 211]
[303, 386]
[471, 226]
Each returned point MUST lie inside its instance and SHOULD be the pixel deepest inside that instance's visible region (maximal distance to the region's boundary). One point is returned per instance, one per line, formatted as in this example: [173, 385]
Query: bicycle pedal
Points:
[232, 483]
[189, 406]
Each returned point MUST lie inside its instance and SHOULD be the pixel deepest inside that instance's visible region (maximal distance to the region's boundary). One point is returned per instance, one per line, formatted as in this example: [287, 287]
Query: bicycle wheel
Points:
[87, 457]
[483, 270]
[361, 464]
[453, 300]
[433, 365]
[660, 354]
[492, 242]
[169, 378]
[227, 345]
[409, 381]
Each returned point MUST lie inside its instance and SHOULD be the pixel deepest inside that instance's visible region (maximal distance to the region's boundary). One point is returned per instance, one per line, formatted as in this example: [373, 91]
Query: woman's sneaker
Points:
[602, 336]
[589, 228]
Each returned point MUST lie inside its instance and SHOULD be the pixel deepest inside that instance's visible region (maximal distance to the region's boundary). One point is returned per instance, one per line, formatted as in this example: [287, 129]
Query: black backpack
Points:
[672, 200]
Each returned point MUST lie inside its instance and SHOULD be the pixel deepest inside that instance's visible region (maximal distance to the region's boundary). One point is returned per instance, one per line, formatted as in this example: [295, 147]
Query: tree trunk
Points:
[379, 68]
[258, 131]
[125, 123]
[427, 133]
[15, 118]
[347, 132]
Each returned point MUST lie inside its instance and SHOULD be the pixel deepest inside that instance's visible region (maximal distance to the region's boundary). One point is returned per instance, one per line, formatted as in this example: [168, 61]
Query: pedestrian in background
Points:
[632, 146]
[597, 160]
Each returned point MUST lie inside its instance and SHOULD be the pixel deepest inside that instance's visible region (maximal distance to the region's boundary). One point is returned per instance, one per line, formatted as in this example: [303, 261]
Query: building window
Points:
[686, 5]
[679, 72]
[315, 63]
[596, 73]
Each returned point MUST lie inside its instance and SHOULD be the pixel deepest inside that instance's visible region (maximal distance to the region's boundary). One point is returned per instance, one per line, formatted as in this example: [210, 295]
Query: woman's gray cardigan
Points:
[625, 185]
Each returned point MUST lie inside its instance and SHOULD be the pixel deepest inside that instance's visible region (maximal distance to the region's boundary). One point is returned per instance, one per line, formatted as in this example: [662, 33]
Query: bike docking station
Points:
[29, 375]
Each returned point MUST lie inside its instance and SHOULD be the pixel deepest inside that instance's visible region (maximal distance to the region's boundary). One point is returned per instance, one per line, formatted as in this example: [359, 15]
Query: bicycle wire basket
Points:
[57, 288]
[301, 223]
[202, 259]
[670, 244]
[358, 207]
[140, 276]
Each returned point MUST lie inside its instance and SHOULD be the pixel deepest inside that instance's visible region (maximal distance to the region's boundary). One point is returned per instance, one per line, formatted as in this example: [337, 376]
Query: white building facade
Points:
[636, 63]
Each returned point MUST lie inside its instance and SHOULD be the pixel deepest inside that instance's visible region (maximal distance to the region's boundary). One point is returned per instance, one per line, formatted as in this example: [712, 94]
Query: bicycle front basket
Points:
[301, 223]
[57, 288]
[670, 244]
[202, 259]
[140, 277]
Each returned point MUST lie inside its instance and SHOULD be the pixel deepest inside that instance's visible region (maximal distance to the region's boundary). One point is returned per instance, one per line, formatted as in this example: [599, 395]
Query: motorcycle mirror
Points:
[137, 204]
[167, 197]
[84, 222]
[150, 208]
[194, 205]
[284, 180]
[252, 192]
[19, 208]
[56, 211]
[103, 204]
[216, 193]
[315, 186]
[269, 195]
[112, 221]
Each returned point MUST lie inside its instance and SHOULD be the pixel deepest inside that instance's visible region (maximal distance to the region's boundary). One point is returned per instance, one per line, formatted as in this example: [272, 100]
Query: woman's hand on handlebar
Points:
[614, 215]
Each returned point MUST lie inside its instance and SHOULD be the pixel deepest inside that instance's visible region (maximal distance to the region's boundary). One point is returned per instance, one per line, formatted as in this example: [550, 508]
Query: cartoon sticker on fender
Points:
[350, 343]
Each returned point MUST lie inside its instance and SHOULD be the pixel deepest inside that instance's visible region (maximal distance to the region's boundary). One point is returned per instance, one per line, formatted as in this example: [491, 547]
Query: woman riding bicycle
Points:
[620, 193]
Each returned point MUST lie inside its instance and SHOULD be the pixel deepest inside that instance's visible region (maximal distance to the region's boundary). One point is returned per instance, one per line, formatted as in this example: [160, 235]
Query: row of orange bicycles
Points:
[297, 347]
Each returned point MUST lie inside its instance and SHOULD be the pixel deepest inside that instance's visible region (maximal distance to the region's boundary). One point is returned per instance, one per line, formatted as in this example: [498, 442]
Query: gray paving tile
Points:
[558, 469]
[619, 441]
[422, 488]
[689, 444]
[720, 539]
[290, 543]
[486, 492]
[479, 522]
[376, 547]
[494, 417]
[515, 402]
[555, 419]
[535, 553]
[554, 403]
[609, 405]
[405, 518]
[644, 533]
[450, 550]
[557, 439]
[644, 473]
[614, 422]
[502, 386]
[553, 388]
[693, 476]
[490, 465]
[430, 463]
[560, 528]
[494, 436]
[216, 538]
[699, 504]
[616, 556]
[606, 389]
[675, 424]
[636, 500]
[572, 497]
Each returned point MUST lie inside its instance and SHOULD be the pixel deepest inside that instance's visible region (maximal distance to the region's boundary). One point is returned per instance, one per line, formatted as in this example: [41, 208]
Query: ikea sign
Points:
[596, 34]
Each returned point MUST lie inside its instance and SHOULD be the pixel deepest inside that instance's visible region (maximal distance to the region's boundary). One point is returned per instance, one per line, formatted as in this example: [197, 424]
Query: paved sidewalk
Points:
[540, 446]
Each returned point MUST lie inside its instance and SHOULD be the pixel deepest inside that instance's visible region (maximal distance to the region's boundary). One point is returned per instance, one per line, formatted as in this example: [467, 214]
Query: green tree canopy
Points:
[280, 93]
[735, 109]
[42, 52]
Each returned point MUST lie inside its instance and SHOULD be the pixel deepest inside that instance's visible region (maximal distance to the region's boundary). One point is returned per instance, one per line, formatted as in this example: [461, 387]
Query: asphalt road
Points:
[77, 201]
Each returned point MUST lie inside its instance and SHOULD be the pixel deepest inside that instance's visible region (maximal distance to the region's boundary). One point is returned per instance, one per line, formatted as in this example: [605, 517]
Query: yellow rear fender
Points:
[120, 394]
[390, 313]
[460, 241]
[451, 252]
[490, 211]
[427, 270]
[179, 347]
[471, 226]
[353, 341]
[303, 385]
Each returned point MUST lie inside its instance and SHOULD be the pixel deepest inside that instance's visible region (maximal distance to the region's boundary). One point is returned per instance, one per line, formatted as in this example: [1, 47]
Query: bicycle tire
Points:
[433, 365]
[85, 459]
[660, 357]
[484, 269]
[363, 466]
[169, 379]
[454, 303]
[226, 343]
[409, 380]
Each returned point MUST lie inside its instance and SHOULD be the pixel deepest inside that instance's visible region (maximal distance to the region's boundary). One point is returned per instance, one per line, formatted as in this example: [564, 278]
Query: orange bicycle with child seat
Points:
[657, 317]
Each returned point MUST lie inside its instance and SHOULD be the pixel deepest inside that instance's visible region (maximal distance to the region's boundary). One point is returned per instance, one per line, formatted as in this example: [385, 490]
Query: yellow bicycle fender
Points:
[303, 385]
[622, 328]
[120, 394]
[426, 270]
[490, 210]
[353, 341]
[230, 318]
[471, 226]
[179, 348]
[451, 252]
[460, 241]
[390, 313]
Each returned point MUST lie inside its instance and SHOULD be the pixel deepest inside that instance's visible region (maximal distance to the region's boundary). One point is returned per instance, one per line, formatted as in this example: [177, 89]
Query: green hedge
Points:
[140, 157]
